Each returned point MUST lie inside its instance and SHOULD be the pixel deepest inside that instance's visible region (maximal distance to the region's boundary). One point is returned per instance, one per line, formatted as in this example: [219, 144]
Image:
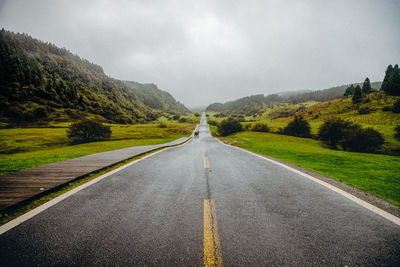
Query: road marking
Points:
[361, 202]
[206, 163]
[11, 224]
[212, 248]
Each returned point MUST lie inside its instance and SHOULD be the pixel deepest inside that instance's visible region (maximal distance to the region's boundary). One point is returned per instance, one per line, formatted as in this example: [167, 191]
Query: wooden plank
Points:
[25, 184]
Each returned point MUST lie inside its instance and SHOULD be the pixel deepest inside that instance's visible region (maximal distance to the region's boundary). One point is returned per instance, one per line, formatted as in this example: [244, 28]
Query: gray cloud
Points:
[207, 51]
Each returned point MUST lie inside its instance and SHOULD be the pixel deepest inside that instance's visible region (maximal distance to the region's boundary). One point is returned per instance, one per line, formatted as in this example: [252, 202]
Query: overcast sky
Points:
[213, 51]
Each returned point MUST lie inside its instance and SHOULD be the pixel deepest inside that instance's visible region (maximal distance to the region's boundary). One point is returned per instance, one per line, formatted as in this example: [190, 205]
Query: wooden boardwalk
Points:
[25, 184]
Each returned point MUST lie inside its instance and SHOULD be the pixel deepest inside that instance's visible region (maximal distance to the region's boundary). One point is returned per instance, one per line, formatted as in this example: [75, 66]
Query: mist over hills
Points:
[255, 104]
[39, 81]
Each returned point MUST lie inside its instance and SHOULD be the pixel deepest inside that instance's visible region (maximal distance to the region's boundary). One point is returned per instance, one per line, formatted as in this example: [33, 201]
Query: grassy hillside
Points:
[155, 98]
[372, 112]
[257, 104]
[41, 82]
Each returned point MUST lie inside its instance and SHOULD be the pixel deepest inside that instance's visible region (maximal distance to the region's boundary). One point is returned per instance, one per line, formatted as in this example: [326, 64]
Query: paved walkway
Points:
[22, 185]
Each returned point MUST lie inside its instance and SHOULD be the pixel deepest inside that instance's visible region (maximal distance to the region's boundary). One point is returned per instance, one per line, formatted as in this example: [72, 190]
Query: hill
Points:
[257, 104]
[155, 98]
[39, 82]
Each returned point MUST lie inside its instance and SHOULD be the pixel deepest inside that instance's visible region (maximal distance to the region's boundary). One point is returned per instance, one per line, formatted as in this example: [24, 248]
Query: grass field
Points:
[23, 148]
[377, 174]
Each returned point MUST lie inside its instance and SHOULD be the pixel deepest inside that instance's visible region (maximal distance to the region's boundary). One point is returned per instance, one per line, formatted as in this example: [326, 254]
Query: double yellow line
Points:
[212, 248]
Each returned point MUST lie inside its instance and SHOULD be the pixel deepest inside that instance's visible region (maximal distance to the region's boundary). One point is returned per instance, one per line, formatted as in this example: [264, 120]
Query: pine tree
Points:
[394, 85]
[388, 74]
[391, 82]
[349, 91]
[357, 97]
[366, 88]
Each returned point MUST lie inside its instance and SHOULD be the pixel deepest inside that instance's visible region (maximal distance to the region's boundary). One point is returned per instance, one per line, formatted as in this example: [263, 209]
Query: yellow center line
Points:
[212, 249]
[206, 163]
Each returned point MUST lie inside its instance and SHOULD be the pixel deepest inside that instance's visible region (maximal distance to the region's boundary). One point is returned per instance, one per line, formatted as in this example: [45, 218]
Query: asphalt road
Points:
[154, 213]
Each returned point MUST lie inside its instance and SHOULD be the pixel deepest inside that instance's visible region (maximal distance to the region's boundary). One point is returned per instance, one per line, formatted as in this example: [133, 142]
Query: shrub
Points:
[230, 126]
[333, 131]
[260, 127]
[298, 127]
[397, 133]
[247, 127]
[396, 106]
[176, 117]
[387, 108]
[364, 110]
[211, 122]
[182, 120]
[197, 114]
[219, 115]
[362, 140]
[40, 112]
[88, 131]
[162, 124]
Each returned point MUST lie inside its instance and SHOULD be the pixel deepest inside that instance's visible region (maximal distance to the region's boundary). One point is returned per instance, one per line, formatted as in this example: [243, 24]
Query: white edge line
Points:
[26, 216]
[361, 202]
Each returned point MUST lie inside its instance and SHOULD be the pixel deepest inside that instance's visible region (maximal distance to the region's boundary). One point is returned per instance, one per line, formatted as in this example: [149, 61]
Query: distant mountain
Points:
[256, 104]
[248, 105]
[155, 98]
[39, 81]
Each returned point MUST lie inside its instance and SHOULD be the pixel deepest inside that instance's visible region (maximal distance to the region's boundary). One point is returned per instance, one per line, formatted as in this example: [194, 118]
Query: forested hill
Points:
[255, 104]
[39, 81]
[155, 98]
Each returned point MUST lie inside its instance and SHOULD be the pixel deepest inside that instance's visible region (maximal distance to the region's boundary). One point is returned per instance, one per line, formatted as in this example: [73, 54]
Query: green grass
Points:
[30, 147]
[377, 174]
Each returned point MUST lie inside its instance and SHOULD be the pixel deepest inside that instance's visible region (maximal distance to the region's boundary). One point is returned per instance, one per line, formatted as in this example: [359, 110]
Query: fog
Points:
[213, 51]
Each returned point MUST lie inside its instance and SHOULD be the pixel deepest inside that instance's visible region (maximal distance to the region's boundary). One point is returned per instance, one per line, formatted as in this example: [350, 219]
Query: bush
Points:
[182, 120]
[397, 133]
[387, 108]
[176, 117]
[362, 140]
[162, 124]
[298, 127]
[396, 106]
[230, 126]
[260, 127]
[364, 110]
[211, 122]
[88, 131]
[220, 115]
[333, 131]
[40, 112]
[248, 127]
[197, 114]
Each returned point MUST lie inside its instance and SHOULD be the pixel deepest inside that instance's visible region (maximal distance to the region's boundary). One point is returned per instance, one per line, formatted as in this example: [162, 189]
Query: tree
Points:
[298, 127]
[366, 88]
[349, 91]
[385, 81]
[229, 126]
[391, 82]
[357, 97]
[396, 106]
[333, 131]
[88, 131]
[397, 133]
[260, 127]
[362, 140]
